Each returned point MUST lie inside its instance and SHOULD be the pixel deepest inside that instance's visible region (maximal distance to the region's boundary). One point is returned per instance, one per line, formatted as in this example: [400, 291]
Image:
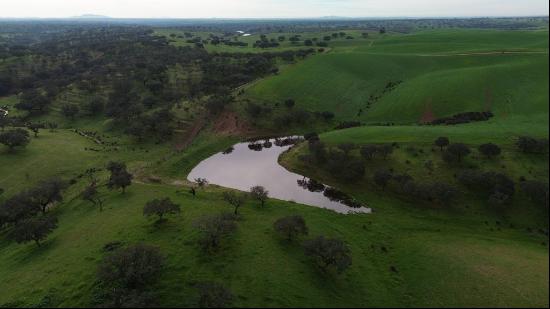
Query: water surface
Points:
[256, 164]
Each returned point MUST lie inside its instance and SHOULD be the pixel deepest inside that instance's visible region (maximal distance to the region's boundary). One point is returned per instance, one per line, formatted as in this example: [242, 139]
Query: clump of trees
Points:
[126, 276]
[329, 254]
[499, 188]
[26, 211]
[160, 208]
[14, 138]
[291, 227]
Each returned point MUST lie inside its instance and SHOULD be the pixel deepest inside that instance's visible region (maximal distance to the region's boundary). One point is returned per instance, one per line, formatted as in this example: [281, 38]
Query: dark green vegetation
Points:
[97, 140]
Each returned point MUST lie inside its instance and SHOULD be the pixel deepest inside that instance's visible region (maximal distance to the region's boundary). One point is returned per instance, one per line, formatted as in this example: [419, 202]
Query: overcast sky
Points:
[272, 8]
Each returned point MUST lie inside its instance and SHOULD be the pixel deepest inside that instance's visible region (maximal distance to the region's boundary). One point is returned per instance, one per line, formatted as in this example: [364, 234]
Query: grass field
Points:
[463, 255]
[261, 269]
[439, 73]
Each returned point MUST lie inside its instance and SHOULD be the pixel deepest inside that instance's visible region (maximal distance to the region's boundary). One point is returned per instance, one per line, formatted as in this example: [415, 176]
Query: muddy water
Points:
[256, 164]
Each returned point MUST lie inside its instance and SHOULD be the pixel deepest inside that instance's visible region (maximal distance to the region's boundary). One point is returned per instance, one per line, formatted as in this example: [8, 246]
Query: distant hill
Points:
[91, 16]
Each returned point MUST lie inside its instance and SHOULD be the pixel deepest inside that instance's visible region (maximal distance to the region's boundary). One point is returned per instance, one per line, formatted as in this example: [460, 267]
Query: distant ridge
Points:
[91, 16]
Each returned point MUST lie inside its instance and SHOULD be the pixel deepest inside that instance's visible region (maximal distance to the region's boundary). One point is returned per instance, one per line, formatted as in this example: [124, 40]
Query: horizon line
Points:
[100, 17]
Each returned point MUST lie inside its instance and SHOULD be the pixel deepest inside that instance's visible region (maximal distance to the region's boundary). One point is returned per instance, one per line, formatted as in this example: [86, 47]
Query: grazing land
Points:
[129, 110]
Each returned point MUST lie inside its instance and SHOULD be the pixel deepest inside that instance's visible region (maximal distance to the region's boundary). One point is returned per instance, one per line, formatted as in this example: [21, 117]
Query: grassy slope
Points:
[261, 270]
[436, 77]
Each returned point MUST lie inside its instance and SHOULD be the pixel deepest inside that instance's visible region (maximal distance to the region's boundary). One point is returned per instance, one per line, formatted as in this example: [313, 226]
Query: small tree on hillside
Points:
[260, 194]
[14, 138]
[127, 273]
[48, 192]
[160, 207]
[34, 229]
[442, 142]
[329, 253]
[120, 177]
[456, 152]
[234, 199]
[213, 228]
[490, 150]
[91, 194]
[291, 226]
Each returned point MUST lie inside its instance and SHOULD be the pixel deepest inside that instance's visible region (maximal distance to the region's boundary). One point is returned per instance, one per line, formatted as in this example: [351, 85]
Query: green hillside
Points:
[438, 73]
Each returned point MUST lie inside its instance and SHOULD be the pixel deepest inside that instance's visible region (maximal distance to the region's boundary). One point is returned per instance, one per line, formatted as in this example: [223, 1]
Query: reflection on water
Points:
[255, 164]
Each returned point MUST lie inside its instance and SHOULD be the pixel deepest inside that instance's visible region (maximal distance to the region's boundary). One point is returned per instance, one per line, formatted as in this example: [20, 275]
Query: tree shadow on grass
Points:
[30, 252]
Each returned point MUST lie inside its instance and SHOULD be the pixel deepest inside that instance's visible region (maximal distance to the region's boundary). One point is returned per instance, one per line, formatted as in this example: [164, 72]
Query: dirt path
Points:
[186, 138]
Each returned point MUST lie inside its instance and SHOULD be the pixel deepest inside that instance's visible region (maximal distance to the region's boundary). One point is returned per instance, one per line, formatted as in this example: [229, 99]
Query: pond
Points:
[256, 164]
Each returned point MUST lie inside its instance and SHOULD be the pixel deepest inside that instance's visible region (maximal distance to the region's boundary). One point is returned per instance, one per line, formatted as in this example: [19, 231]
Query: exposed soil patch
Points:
[229, 123]
[186, 138]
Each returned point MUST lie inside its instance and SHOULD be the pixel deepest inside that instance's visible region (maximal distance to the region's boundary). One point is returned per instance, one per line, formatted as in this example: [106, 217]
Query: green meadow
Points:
[438, 73]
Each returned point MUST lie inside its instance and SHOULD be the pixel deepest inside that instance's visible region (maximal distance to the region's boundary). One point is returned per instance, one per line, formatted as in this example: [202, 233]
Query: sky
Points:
[272, 8]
